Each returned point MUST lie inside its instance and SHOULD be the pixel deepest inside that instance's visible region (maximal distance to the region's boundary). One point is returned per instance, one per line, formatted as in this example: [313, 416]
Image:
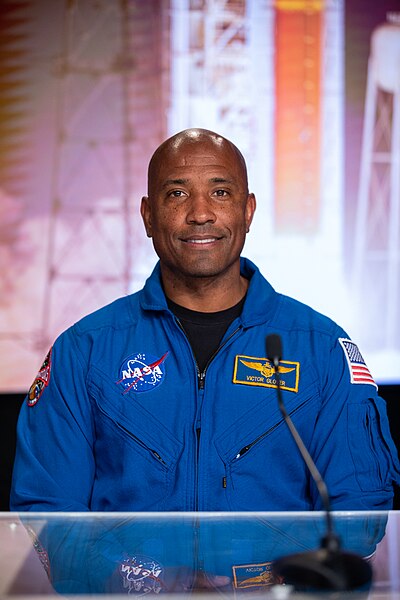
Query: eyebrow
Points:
[169, 182]
[221, 180]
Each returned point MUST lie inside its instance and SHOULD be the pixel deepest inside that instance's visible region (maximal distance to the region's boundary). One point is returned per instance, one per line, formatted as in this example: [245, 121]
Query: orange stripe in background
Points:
[298, 47]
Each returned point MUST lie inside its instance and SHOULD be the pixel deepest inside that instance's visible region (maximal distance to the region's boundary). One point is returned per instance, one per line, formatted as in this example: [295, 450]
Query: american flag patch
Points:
[359, 372]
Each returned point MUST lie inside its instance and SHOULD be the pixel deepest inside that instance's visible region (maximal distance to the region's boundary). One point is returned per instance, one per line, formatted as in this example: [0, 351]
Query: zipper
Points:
[142, 444]
[153, 452]
[200, 386]
[196, 496]
[202, 375]
[245, 449]
[201, 380]
[260, 437]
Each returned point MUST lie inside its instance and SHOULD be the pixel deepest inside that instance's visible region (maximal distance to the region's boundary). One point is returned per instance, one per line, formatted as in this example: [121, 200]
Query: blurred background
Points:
[308, 89]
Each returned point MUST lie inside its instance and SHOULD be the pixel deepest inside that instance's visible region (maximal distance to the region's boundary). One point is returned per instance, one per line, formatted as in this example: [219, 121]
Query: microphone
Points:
[329, 568]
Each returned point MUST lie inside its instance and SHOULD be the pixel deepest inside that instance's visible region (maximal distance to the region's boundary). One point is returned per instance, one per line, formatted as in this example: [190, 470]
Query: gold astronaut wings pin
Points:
[266, 369]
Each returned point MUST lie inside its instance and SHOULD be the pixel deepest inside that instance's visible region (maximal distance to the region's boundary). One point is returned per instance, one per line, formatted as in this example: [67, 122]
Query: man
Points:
[165, 400]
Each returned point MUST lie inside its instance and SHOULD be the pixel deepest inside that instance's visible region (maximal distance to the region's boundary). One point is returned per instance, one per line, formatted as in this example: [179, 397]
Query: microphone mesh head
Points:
[274, 347]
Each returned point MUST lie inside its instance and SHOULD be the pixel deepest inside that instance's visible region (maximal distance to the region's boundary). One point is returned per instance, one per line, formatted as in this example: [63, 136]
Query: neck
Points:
[204, 294]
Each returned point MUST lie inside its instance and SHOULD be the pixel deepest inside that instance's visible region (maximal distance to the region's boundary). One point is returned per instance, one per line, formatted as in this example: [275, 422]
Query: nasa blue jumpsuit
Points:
[119, 417]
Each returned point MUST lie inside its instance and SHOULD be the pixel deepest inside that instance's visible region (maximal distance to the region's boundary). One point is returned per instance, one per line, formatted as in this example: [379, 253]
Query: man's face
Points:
[198, 209]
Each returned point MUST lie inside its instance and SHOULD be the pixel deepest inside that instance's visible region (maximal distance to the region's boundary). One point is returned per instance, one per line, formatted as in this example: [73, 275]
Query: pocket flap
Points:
[134, 418]
[261, 421]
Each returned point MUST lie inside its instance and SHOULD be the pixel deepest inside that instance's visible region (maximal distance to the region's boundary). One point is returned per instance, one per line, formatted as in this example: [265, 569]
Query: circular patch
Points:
[141, 575]
[142, 372]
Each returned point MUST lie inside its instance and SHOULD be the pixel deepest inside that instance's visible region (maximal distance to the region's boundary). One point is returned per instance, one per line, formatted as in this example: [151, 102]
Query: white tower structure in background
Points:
[223, 57]
[109, 117]
[222, 79]
[377, 237]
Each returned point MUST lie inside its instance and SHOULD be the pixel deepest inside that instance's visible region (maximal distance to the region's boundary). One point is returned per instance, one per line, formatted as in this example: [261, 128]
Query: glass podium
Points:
[180, 554]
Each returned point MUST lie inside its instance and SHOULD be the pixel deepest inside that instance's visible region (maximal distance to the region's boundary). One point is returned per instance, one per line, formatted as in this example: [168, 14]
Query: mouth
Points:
[201, 241]
[198, 240]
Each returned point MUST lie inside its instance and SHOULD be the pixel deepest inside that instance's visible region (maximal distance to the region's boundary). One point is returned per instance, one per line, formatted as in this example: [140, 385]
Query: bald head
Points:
[197, 212]
[184, 143]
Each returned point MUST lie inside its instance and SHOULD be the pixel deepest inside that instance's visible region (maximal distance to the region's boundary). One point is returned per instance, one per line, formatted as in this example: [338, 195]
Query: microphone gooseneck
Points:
[328, 568]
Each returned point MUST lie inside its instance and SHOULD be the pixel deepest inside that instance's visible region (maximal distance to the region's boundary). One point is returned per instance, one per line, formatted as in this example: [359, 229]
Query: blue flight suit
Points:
[119, 417]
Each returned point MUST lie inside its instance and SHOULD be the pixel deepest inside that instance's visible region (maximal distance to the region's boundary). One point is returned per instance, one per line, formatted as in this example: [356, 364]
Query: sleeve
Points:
[352, 444]
[68, 550]
[54, 463]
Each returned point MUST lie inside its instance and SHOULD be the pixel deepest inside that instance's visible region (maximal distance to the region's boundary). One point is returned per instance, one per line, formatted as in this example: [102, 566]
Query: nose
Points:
[200, 210]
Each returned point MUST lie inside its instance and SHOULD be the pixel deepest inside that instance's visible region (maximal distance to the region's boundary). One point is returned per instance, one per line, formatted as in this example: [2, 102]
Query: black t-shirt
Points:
[205, 330]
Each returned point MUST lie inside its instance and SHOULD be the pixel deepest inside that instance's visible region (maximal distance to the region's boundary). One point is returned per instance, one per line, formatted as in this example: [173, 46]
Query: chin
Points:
[202, 271]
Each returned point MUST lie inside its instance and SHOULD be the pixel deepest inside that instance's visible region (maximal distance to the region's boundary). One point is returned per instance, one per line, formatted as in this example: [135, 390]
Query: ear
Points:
[250, 210]
[145, 211]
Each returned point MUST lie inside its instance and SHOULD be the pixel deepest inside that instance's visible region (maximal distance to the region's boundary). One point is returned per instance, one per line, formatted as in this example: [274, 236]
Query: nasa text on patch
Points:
[142, 372]
[359, 372]
[252, 370]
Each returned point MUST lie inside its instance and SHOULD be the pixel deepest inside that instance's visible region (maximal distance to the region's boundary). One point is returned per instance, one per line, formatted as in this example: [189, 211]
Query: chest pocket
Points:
[263, 466]
[134, 447]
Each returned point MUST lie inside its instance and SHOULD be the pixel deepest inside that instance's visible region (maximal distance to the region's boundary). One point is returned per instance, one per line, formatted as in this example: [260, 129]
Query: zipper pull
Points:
[157, 456]
[242, 451]
[202, 377]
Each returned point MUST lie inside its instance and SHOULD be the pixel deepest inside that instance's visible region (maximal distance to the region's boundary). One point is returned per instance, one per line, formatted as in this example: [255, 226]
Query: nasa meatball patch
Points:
[41, 381]
[142, 372]
[141, 575]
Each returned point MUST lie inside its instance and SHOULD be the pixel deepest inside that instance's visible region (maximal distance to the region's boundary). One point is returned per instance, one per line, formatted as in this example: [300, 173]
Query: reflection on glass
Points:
[152, 553]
